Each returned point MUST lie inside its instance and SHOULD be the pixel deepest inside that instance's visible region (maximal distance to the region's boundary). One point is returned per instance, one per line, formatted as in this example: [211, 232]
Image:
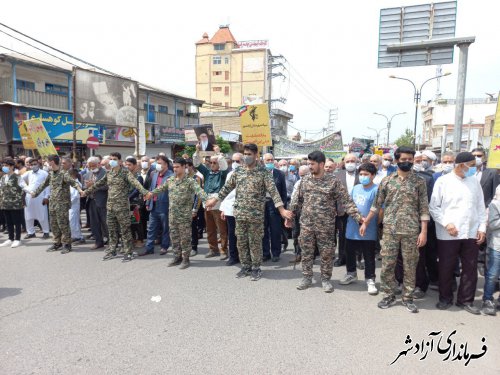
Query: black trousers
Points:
[449, 251]
[194, 232]
[231, 236]
[367, 248]
[14, 219]
[341, 226]
[3, 223]
[98, 224]
[201, 221]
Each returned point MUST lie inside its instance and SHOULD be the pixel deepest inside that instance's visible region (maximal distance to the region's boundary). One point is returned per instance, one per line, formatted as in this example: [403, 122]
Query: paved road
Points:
[75, 314]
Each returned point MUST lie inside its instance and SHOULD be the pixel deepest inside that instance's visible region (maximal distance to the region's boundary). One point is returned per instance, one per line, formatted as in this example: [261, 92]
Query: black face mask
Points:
[405, 166]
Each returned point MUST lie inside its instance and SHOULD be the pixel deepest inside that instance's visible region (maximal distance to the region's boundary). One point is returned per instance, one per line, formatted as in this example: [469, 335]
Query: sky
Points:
[330, 48]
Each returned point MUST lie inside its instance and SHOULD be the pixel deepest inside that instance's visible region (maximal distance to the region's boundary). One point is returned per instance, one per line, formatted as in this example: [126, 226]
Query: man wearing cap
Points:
[457, 206]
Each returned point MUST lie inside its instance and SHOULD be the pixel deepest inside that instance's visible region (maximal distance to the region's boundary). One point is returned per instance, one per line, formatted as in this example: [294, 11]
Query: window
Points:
[226, 90]
[151, 113]
[217, 73]
[217, 89]
[226, 60]
[226, 105]
[180, 113]
[216, 60]
[26, 85]
[56, 89]
[163, 109]
[219, 47]
[226, 76]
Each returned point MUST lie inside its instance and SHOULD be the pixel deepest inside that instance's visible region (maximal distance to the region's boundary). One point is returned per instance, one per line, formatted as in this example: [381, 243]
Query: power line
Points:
[31, 57]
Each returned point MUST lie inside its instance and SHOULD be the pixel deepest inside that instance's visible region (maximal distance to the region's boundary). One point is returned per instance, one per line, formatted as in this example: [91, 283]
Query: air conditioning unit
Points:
[192, 109]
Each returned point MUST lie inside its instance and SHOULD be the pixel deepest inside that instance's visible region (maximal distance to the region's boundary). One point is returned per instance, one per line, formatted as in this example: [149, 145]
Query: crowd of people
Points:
[430, 222]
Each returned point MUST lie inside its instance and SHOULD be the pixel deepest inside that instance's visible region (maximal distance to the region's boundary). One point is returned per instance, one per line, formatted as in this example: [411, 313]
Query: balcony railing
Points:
[33, 98]
[165, 119]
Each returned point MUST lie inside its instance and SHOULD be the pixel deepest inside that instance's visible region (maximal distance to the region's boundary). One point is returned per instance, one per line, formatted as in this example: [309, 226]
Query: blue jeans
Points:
[271, 243]
[492, 273]
[158, 221]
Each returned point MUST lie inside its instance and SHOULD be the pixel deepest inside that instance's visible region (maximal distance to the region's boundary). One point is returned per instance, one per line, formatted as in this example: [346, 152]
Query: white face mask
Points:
[144, 165]
[350, 167]
[95, 170]
[479, 161]
[284, 169]
[418, 167]
[158, 167]
[386, 163]
[46, 167]
[447, 168]
[235, 165]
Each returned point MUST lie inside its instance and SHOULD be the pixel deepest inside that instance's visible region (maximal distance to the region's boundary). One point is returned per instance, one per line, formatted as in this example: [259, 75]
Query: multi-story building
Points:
[30, 88]
[231, 73]
[439, 119]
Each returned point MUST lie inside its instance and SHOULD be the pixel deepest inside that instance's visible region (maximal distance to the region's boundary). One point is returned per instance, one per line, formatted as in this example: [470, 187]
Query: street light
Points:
[389, 121]
[416, 96]
[376, 131]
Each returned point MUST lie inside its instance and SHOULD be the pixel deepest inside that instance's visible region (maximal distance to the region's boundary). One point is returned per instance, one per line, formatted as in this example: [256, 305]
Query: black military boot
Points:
[54, 247]
[66, 249]
[175, 262]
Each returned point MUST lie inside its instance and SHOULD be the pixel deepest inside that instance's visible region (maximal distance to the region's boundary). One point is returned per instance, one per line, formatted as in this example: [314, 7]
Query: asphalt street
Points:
[76, 314]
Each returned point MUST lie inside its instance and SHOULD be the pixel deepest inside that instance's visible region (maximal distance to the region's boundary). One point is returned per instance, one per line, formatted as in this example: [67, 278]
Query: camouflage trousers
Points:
[324, 239]
[59, 224]
[180, 235]
[118, 221]
[390, 245]
[249, 236]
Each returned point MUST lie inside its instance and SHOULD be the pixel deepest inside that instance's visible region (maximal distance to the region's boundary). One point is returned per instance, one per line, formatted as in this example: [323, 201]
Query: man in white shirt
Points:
[457, 206]
[36, 208]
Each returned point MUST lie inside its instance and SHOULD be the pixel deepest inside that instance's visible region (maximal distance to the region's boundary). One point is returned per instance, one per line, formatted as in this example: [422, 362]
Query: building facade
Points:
[32, 89]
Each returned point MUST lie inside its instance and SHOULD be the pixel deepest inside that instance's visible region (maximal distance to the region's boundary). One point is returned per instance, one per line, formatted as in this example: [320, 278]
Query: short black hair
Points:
[180, 161]
[479, 149]
[403, 150]
[368, 167]
[73, 172]
[330, 159]
[164, 158]
[132, 160]
[252, 147]
[189, 162]
[317, 156]
[9, 162]
[116, 155]
[54, 158]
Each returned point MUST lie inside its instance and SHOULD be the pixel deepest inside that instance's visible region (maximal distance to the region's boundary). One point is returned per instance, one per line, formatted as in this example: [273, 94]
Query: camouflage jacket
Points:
[404, 202]
[181, 194]
[251, 186]
[316, 199]
[12, 192]
[59, 182]
[118, 182]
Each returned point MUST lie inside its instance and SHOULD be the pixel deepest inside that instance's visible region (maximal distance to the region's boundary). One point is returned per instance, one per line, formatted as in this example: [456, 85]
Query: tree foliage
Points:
[406, 139]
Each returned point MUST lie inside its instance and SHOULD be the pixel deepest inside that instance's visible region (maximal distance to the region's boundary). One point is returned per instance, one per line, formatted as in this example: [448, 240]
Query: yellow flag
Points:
[39, 135]
[255, 125]
[494, 154]
[28, 143]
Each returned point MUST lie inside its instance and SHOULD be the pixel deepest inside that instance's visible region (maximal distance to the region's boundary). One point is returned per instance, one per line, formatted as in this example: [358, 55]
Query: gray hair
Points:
[376, 156]
[93, 159]
[448, 153]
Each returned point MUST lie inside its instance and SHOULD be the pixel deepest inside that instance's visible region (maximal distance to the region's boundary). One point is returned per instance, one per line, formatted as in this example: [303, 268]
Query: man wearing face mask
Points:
[447, 164]
[118, 181]
[290, 179]
[158, 208]
[251, 183]
[271, 243]
[227, 213]
[403, 198]
[348, 177]
[96, 202]
[59, 203]
[36, 208]
[145, 173]
[457, 206]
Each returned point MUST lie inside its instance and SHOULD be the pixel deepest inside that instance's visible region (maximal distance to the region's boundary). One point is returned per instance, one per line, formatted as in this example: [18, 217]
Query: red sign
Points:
[92, 142]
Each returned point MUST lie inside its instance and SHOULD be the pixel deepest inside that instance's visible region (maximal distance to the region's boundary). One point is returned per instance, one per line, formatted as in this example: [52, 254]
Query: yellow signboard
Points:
[494, 154]
[255, 125]
[39, 135]
[28, 143]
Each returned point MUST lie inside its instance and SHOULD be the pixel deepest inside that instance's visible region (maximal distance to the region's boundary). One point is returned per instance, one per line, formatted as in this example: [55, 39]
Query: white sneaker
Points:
[372, 288]
[348, 278]
[16, 244]
[6, 243]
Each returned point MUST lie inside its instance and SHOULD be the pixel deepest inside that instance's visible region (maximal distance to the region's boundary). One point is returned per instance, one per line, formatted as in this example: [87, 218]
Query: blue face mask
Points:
[270, 166]
[292, 168]
[471, 172]
[5, 169]
[113, 163]
[365, 180]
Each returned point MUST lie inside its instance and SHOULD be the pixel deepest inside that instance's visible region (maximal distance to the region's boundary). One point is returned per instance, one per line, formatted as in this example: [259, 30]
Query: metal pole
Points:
[417, 99]
[443, 141]
[460, 99]
[388, 130]
[74, 115]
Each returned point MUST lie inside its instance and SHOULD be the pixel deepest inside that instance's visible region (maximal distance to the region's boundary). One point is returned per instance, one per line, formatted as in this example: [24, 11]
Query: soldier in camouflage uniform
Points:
[181, 192]
[403, 197]
[251, 184]
[316, 198]
[118, 181]
[59, 203]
